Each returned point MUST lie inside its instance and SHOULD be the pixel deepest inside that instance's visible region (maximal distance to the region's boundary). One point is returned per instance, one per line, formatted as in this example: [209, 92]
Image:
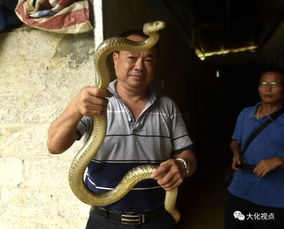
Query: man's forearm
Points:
[235, 147]
[62, 131]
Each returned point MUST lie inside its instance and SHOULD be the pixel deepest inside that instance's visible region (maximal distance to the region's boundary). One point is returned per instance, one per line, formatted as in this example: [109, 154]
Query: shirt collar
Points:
[152, 95]
[254, 110]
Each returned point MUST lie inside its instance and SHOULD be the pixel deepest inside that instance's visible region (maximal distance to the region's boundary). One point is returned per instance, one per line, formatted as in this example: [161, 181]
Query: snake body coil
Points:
[85, 155]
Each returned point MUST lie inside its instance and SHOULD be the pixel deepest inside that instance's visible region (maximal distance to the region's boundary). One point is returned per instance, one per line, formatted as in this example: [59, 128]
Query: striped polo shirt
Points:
[157, 134]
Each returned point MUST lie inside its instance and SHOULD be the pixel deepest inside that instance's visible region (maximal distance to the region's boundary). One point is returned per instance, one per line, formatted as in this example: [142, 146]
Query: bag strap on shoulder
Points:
[272, 117]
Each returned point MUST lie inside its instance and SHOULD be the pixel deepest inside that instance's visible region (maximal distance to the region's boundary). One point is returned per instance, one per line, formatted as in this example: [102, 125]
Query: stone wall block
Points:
[46, 174]
[23, 140]
[76, 209]
[40, 45]
[11, 172]
[40, 73]
[24, 202]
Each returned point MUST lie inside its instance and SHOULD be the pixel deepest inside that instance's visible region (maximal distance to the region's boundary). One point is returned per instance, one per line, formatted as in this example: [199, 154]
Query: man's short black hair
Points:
[274, 69]
[138, 32]
[280, 71]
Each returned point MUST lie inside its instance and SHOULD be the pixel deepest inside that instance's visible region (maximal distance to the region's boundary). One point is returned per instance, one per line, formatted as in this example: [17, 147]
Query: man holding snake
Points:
[142, 128]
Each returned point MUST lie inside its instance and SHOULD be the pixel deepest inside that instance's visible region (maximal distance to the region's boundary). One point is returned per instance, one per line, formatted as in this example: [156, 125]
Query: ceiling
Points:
[227, 26]
[217, 29]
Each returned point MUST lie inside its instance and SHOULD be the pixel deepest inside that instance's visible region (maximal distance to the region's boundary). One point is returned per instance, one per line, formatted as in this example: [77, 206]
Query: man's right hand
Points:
[91, 101]
[237, 161]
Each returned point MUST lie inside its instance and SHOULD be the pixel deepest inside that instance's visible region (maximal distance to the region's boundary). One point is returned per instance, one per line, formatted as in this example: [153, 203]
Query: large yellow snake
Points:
[85, 155]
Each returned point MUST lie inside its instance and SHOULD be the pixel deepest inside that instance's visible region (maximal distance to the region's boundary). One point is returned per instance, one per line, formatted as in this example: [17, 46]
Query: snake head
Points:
[153, 27]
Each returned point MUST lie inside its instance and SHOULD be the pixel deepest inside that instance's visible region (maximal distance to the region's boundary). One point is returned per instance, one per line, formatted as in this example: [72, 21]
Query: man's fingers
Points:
[98, 92]
[170, 182]
[159, 171]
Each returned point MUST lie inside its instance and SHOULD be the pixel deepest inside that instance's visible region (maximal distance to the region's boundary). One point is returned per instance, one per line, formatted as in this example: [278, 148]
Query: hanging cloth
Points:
[61, 16]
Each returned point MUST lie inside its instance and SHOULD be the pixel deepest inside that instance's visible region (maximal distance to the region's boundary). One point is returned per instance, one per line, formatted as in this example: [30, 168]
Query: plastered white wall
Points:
[39, 73]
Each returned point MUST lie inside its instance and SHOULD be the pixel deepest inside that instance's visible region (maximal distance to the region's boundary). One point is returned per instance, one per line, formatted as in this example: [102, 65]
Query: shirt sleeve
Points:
[237, 134]
[179, 136]
[84, 125]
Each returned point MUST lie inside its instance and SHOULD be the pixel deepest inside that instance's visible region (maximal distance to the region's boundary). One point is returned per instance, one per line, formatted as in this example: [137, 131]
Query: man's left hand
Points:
[267, 165]
[171, 173]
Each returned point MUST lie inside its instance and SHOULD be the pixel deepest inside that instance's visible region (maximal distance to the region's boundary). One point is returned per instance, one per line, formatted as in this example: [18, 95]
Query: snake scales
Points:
[88, 151]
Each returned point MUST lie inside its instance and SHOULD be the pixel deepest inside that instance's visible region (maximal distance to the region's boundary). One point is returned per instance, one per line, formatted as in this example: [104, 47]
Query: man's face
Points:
[271, 88]
[135, 70]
